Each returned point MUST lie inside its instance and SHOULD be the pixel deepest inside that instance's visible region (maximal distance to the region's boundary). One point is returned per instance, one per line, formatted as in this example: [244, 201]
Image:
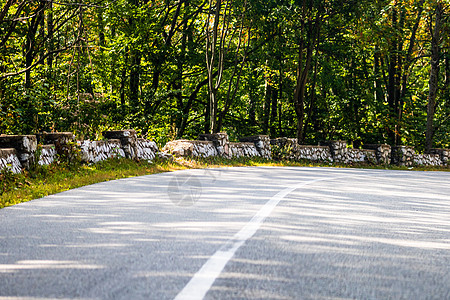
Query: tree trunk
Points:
[268, 90]
[378, 94]
[112, 88]
[123, 78]
[135, 74]
[207, 128]
[312, 33]
[30, 42]
[215, 53]
[393, 83]
[50, 30]
[238, 67]
[178, 82]
[400, 64]
[434, 76]
[273, 113]
[5, 9]
[299, 94]
[212, 110]
[211, 57]
[312, 97]
[253, 98]
[188, 107]
[101, 29]
[280, 103]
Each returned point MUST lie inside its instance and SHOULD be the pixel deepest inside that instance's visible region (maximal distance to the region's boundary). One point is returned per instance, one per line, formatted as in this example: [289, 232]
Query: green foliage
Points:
[280, 153]
[69, 155]
[141, 64]
[10, 181]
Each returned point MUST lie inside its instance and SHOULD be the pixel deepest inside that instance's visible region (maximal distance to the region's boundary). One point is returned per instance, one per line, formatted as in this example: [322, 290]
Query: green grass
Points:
[48, 180]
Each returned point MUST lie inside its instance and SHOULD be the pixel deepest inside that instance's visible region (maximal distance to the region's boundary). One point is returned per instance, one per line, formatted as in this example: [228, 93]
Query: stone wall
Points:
[218, 144]
[402, 156]
[243, 149]
[9, 157]
[289, 149]
[146, 150]
[314, 153]
[427, 160]
[61, 140]
[407, 156]
[332, 151]
[219, 141]
[382, 153]
[95, 151]
[121, 143]
[338, 151]
[19, 152]
[48, 155]
[9, 160]
[25, 145]
[361, 156]
[444, 155]
[262, 144]
[128, 141]
[180, 147]
[188, 148]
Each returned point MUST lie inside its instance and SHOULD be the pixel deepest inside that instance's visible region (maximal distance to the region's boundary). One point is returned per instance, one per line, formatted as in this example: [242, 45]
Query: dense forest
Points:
[366, 71]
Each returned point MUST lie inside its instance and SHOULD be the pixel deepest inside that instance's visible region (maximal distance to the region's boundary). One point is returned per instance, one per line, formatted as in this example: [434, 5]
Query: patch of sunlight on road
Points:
[46, 264]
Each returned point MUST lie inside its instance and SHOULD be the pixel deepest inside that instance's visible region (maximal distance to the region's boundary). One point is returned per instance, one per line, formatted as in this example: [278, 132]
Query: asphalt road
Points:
[234, 233]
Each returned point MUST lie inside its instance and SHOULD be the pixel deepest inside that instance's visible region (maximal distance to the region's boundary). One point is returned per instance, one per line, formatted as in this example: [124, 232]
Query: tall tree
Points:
[217, 28]
[436, 32]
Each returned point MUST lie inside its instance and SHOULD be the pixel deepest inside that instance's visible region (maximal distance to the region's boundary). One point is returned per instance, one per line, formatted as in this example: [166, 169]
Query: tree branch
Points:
[38, 61]
[82, 4]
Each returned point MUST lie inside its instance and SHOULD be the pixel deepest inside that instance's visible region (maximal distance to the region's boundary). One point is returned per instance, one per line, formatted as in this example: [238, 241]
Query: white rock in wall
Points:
[25, 146]
[96, 151]
[204, 149]
[243, 150]
[48, 155]
[235, 150]
[146, 149]
[382, 153]
[443, 155]
[9, 160]
[146, 154]
[219, 142]
[191, 148]
[115, 148]
[252, 151]
[179, 148]
[85, 147]
[262, 145]
[427, 160]
[356, 155]
[403, 155]
[314, 153]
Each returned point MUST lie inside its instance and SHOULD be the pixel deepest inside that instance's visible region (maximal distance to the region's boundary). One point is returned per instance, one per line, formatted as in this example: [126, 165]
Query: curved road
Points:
[234, 233]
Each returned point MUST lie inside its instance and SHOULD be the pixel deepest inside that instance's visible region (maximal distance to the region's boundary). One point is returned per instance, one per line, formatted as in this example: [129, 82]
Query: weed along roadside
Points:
[50, 179]
[35, 166]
